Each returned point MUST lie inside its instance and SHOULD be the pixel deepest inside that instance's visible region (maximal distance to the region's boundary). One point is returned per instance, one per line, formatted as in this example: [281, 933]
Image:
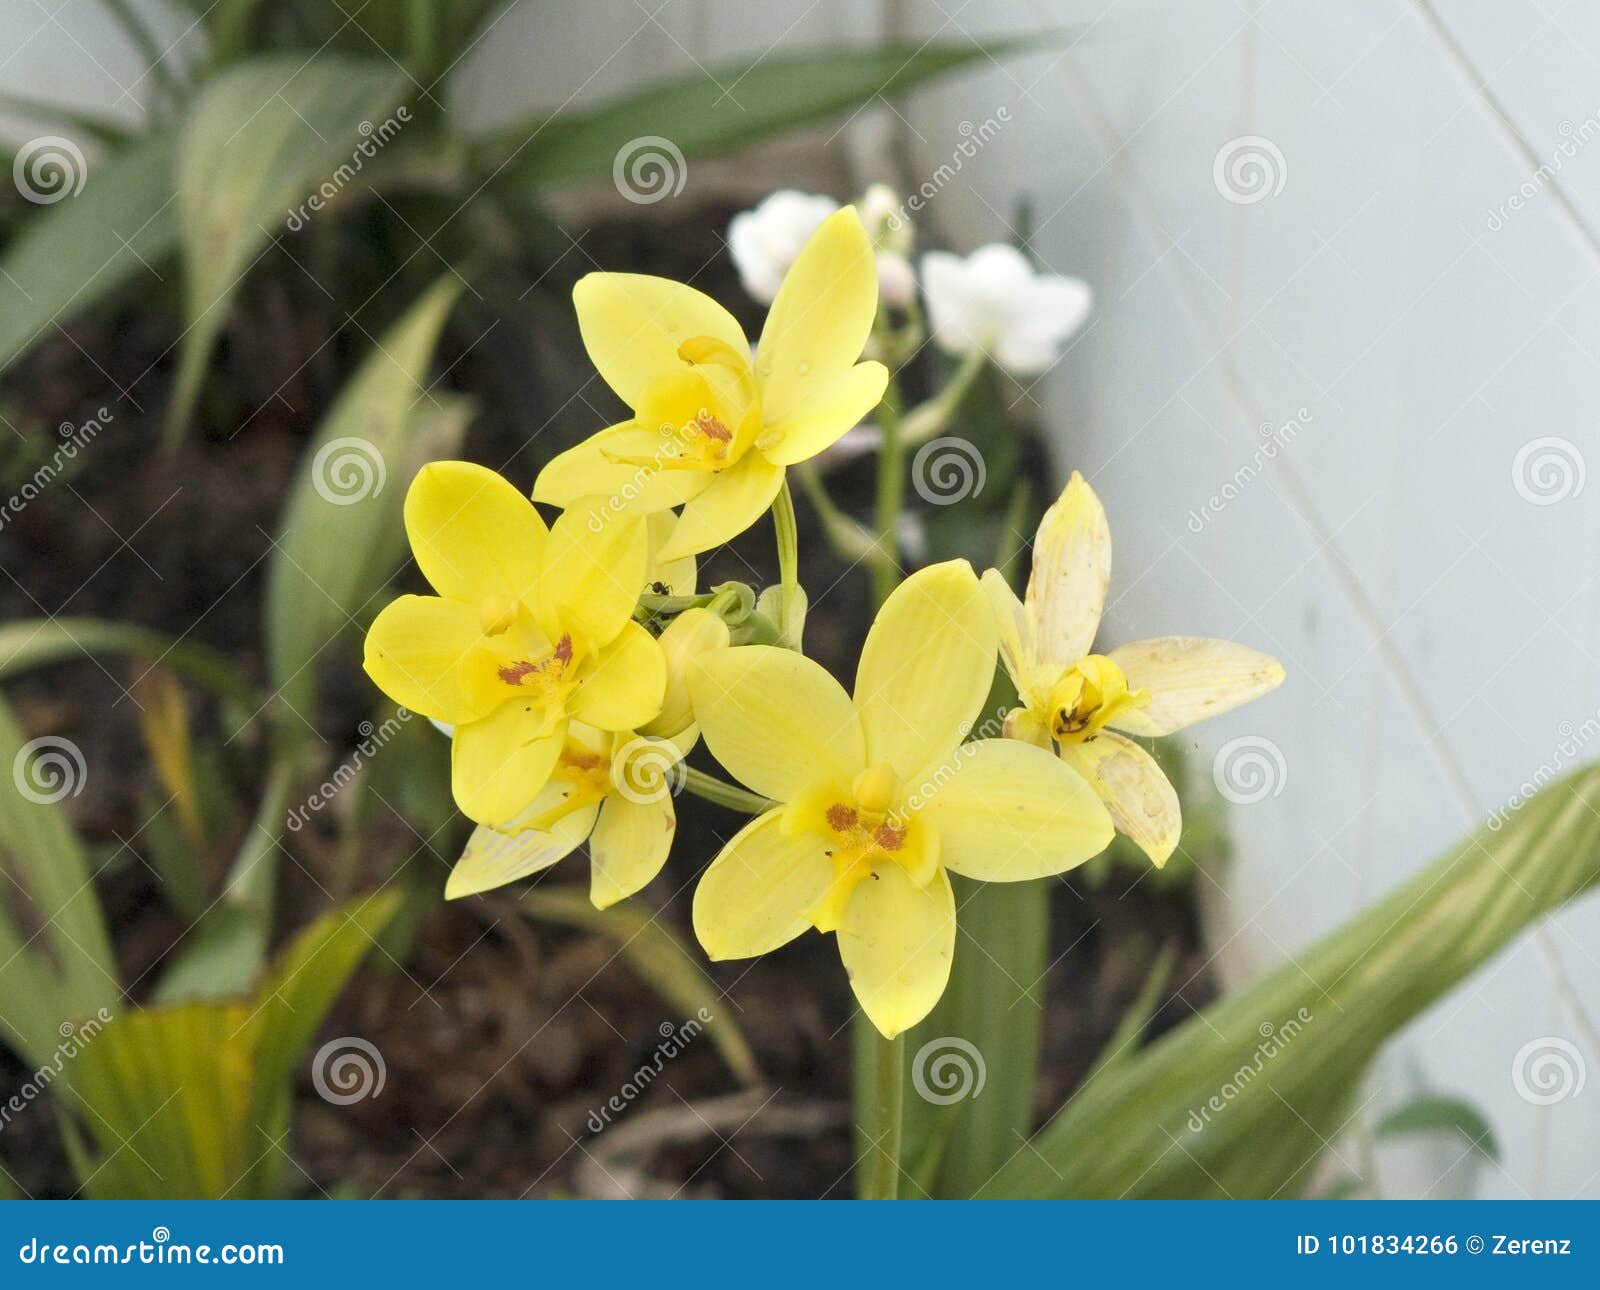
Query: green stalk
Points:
[723, 793]
[891, 493]
[882, 1180]
[788, 535]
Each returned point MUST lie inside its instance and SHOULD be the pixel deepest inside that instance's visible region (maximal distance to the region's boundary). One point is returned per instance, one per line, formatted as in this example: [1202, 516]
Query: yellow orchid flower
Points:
[879, 800]
[711, 431]
[612, 790]
[532, 628]
[1076, 701]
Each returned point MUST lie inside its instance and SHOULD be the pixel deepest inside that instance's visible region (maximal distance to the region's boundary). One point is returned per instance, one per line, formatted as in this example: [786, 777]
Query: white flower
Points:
[765, 241]
[995, 302]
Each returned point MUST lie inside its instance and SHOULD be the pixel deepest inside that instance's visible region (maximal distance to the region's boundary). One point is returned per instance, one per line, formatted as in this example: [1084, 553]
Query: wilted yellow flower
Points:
[711, 431]
[879, 797]
[614, 791]
[532, 628]
[1076, 701]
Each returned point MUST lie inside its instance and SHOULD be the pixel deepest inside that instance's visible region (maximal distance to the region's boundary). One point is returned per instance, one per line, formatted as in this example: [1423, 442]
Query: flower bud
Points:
[691, 634]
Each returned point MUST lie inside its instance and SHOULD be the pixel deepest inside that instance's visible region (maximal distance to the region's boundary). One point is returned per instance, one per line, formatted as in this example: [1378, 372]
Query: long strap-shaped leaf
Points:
[1240, 1101]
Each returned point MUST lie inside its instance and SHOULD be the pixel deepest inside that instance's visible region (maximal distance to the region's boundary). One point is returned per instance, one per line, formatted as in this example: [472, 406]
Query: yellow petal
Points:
[734, 501]
[414, 653]
[1071, 569]
[629, 846]
[925, 669]
[1011, 811]
[594, 569]
[632, 326]
[627, 685]
[1141, 799]
[474, 535]
[496, 770]
[492, 859]
[677, 576]
[776, 720]
[1015, 629]
[591, 469]
[820, 320]
[819, 422]
[755, 895]
[897, 941]
[1190, 678]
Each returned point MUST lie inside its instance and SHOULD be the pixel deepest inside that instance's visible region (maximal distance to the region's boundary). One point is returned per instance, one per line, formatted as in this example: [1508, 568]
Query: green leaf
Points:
[342, 531]
[1124, 1041]
[256, 142]
[705, 113]
[1432, 1113]
[76, 252]
[166, 1100]
[657, 956]
[191, 1101]
[1240, 1100]
[37, 642]
[995, 1003]
[56, 965]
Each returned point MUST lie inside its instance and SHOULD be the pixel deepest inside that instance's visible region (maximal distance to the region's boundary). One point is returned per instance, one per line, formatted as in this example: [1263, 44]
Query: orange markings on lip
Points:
[889, 837]
[841, 817]
[713, 428]
[518, 672]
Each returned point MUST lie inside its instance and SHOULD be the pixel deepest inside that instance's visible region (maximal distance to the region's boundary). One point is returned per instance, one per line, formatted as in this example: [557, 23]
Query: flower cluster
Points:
[578, 663]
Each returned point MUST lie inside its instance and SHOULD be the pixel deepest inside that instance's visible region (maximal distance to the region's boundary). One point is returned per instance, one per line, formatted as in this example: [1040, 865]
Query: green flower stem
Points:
[788, 534]
[723, 793]
[882, 1181]
[891, 493]
[929, 418]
